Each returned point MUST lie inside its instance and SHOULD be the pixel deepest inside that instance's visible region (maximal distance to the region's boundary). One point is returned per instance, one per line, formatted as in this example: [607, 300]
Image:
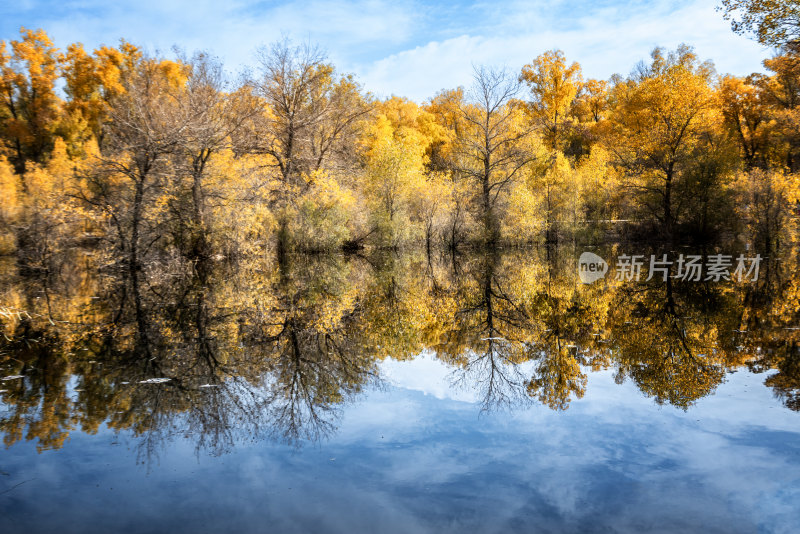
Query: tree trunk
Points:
[668, 222]
[489, 222]
[199, 239]
[135, 222]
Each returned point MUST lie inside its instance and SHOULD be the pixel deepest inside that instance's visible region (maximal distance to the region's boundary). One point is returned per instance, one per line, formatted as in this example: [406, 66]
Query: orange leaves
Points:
[746, 114]
[174, 73]
[30, 106]
[91, 81]
[554, 86]
[660, 112]
[552, 82]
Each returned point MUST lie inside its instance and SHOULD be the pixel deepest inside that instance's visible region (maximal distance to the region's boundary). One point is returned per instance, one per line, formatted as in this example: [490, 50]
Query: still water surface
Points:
[398, 394]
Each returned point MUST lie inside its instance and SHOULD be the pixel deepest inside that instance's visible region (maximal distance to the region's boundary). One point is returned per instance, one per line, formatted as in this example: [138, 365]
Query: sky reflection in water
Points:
[404, 460]
[440, 437]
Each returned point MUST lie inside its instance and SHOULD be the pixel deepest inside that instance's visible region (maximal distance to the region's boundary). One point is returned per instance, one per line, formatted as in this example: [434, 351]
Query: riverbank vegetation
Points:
[146, 157]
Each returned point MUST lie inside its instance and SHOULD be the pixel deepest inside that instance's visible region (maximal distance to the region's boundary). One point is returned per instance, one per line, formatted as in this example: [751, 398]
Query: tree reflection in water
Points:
[223, 352]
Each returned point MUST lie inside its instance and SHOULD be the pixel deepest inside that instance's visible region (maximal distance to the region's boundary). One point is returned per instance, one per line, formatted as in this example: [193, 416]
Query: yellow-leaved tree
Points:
[9, 206]
[553, 87]
[660, 114]
[29, 106]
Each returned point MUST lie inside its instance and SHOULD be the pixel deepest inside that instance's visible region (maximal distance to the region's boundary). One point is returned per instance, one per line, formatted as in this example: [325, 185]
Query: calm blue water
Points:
[419, 455]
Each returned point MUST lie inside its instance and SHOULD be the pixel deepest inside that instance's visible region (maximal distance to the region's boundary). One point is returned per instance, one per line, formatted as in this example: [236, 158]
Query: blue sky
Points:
[402, 47]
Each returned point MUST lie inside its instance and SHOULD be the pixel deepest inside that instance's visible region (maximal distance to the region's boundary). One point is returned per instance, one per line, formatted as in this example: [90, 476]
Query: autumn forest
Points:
[148, 158]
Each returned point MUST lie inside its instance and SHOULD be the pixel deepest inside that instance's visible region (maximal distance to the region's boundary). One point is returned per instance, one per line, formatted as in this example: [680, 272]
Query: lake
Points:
[402, 392]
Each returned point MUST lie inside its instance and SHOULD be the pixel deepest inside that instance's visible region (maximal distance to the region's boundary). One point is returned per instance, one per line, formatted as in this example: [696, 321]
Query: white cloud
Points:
[426, 374]
[408, 48]
[604, 42]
